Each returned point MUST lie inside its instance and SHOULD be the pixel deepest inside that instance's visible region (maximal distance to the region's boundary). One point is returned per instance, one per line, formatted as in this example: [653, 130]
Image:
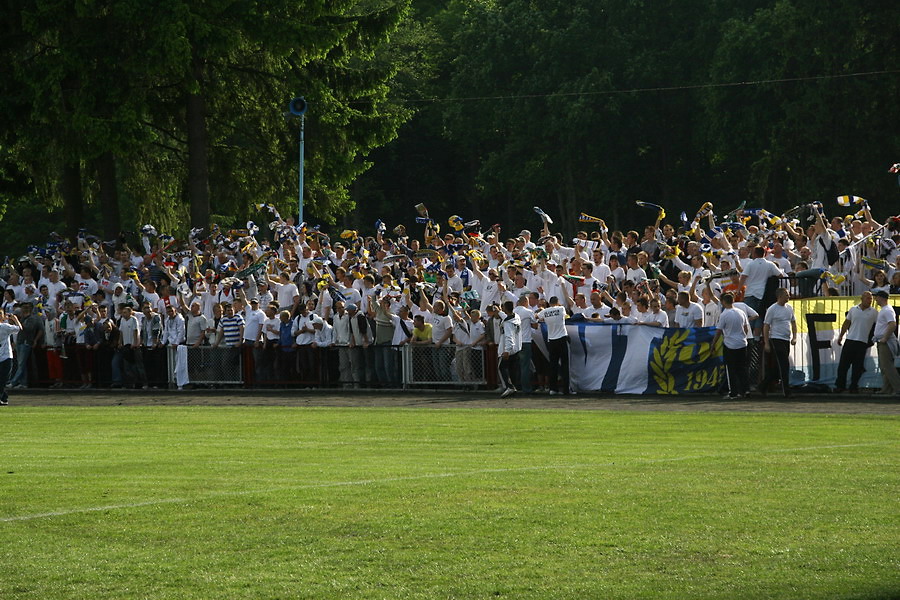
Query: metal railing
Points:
[447, 365]
[210, 366]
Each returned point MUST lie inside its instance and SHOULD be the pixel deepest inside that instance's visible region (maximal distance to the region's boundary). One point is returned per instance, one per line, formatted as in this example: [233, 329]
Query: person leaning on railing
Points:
[361, 337]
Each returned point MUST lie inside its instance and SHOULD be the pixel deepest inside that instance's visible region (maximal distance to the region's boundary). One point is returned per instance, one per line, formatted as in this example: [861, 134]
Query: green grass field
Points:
[231, 502]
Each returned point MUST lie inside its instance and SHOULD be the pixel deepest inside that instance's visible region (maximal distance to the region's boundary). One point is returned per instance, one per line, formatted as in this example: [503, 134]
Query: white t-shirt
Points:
[751, 314]
[651, 317]
[636, 275]
[130, 330]
[439, 327]
[734, 326]
[526, 316]
[53, 289]
[272, 328]
[304, 338]
[689, 315]
[253, 322]
[400, 335]
[555, 318]
[286, 292]
[886, 316]
[594, 312]
[711, 314]
[601, 273]
[779, 319]
[7, 331]
[861, 322]
[758, 272]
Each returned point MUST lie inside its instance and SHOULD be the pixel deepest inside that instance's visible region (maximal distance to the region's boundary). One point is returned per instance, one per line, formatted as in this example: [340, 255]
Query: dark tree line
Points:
[559, 128]
[118, 112]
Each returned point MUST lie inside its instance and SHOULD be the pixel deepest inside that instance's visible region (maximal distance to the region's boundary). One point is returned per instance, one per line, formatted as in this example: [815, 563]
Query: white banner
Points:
[635, 359]
[816, 354]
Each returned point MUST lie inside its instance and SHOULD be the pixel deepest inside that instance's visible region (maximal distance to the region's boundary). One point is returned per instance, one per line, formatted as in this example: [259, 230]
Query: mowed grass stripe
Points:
[412, 478]
[567, 505]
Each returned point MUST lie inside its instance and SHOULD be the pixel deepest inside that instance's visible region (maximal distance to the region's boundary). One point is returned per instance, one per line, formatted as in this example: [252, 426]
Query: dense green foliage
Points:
[267, 502]
[177, 108]
[117, 112]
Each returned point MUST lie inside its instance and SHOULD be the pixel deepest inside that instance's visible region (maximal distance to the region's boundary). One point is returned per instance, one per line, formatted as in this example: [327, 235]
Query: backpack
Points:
[831, 251]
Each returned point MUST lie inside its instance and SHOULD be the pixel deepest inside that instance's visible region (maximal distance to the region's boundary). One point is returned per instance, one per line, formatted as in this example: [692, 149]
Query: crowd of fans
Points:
[306, 306]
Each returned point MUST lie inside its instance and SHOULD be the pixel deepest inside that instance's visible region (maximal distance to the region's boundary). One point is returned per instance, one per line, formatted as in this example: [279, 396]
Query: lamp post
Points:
[298, 107]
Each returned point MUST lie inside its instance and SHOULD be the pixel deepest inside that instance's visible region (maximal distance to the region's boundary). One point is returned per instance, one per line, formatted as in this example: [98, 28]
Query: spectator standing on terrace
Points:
[687, 313]
[30, 336]
[254, 320]
[174, 329]
[197, 324]
[857, 327]
[130, 348]
[886, 338]
[360, 341]
[341, 335]
[9, 326]
[231, 328]
[509, 347]
[380, 312]
[231, 331]
[526, 317]
[779, 333]
[755, 276]
[734, 328]
[655, 317]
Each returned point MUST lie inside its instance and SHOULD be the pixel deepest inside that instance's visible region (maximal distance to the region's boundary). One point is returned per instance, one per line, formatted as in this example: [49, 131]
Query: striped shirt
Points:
[231, 329]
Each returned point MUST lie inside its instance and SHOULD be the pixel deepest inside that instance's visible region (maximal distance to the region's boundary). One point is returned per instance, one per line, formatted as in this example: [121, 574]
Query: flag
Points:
[874, 263]
[848, 200]
[544, 217]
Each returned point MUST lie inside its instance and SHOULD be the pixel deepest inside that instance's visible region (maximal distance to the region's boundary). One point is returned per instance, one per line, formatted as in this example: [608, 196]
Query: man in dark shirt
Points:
[31, 335]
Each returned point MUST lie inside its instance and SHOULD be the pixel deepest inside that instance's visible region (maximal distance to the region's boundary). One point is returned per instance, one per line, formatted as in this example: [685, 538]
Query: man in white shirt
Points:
[304, 333]
[634, 273]
[526, 318]
[687, 313]
[9, 327]
[857, 327]
[173, 330]
[655, 317]
[54, 287]
[734, 327]
[886, 337]
[254, 320]
[779, 333]
[341, 336]
[755, 276]
[509, 347]
[130, 348]
[271, 334]
[286, 293]
[197, 324]
[554, 317]
[590, 283]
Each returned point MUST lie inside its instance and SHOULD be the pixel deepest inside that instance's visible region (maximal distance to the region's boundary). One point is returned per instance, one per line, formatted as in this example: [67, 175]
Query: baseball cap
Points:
[351, 306]
[881, 294]
[525, 232]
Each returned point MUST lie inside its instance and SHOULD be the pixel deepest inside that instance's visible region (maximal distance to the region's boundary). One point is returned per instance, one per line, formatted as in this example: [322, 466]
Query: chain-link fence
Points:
[210, 366]
[443, 365]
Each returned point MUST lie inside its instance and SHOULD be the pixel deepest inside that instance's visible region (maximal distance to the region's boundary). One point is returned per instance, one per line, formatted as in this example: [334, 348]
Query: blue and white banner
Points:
[635, 359]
